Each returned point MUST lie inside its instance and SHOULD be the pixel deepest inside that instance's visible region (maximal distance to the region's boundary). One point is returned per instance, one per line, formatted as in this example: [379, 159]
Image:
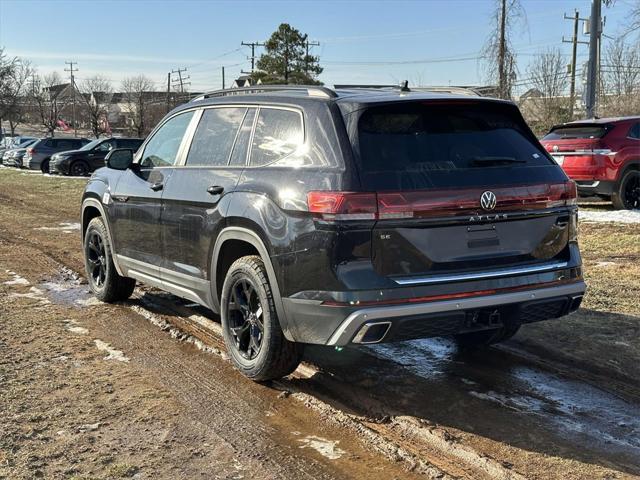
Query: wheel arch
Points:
[92, 208]
[244, 241]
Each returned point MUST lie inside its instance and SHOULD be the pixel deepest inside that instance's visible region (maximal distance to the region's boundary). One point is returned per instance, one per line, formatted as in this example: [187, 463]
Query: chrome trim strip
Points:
[481, 275]
[344, 333]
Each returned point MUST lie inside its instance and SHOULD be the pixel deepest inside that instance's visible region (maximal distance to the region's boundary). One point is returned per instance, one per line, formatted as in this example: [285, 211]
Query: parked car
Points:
[305, 215]
[9, 143]
[602, 156]
[39, 155]
[14, 157]
[90, 157]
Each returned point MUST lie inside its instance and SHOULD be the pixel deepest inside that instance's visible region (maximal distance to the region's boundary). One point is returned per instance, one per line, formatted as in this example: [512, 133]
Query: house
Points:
[244, 81]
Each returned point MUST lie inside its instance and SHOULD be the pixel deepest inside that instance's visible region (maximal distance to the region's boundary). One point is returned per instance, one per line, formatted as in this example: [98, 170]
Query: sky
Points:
[428, 42]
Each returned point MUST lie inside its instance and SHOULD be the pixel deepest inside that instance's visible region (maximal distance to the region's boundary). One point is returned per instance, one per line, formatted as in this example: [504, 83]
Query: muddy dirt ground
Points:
[143, 389]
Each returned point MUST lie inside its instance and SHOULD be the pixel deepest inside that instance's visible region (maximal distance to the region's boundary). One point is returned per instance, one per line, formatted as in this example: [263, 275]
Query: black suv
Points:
[90, 157]
[338, 217]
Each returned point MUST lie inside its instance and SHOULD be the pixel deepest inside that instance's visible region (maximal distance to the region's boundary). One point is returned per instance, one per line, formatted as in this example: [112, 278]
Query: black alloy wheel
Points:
[96, 259]
[631, 190]
[245, 314]
[78, 169]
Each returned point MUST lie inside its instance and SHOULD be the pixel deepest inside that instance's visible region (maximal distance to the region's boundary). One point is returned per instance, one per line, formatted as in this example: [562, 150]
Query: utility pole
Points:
[306, 58]
[574, 40]
[502, 73]
[181, 81]
[73, 90]
[168, 91]
[223, 78]
[253, 46]
[592, 70]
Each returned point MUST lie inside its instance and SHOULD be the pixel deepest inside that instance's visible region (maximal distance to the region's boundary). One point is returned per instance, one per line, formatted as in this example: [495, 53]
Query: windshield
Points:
[26, 143]
[420, 145]
[577, 132]
[93, 144]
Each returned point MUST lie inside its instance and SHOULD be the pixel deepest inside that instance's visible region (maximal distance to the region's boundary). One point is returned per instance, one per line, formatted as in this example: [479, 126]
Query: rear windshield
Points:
[577, 132]
[419, 146]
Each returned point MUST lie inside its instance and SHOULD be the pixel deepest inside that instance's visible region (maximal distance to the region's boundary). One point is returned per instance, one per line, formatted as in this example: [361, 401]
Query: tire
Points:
[627, 195]
[79, 168]
[252, 333]
[104, 281]
[485, 338]
[44, 166]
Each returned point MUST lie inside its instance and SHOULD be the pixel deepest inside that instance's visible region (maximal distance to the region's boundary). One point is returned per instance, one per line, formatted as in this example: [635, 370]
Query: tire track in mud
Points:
[219, 399]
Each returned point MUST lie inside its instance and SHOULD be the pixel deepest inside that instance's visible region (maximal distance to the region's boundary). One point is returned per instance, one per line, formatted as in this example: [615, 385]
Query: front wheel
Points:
[105, 282]
[250, 324]
[45, 166]
[79, 169]
[627, 195]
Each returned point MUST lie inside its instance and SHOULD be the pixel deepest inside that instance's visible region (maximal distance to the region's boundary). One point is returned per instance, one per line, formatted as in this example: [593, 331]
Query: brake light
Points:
[343, 205]
[330, 205]
[31, 150]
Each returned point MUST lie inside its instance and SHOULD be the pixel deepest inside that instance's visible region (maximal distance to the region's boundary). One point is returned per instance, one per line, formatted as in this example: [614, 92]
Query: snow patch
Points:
[17, 279]
[73, 327]
[113, 354]
[616, 216]
[88, 302]
[326, 448]
[34, 294]
[66, 227]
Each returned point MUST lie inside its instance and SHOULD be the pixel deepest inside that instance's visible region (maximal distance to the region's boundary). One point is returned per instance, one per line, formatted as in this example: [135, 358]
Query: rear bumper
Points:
[431, 319]
[595, 187]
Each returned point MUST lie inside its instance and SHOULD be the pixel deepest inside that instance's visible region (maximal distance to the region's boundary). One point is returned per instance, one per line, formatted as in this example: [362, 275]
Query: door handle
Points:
[156, 187]
[215, 190]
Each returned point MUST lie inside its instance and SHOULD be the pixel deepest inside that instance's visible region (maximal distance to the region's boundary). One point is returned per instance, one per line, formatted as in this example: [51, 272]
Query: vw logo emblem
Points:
[488, 200]
[555, 148]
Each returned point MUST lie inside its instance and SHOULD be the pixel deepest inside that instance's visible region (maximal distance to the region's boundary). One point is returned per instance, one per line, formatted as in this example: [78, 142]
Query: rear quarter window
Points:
[278, 134]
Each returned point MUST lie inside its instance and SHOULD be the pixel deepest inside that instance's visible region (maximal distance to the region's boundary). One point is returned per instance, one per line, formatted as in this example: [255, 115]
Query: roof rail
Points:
[311, 90]
[403, 86]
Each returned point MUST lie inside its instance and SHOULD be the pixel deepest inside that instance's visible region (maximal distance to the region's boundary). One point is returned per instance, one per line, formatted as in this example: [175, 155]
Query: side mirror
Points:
[120, 158]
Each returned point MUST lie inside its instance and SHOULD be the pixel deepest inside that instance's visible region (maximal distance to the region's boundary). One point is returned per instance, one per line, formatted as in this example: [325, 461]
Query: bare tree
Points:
[97, 93]
[48, 101]
[137, 95]
[498, 54]
[548, 104]
[621, 78]
[17, 105]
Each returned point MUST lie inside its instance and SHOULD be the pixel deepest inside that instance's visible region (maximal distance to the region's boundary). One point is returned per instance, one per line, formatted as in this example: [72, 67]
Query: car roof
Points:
[601, 121]
[350, 98]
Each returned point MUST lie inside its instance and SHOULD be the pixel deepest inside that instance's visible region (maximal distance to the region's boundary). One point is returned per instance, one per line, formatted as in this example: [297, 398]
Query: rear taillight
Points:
[31, 150]
[343, 205]
[437, 203]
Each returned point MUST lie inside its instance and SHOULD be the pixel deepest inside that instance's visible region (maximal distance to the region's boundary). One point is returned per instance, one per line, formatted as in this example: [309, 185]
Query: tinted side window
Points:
[129, 143]
[635, 131]
[214, 137]
[65, 144]
[162, 148]
[278, 134]
[47, 143]
[239, 155]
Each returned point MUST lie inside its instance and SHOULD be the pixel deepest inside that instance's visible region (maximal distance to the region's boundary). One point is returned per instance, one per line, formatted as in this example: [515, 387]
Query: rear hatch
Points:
[460, 187]
[579, 148]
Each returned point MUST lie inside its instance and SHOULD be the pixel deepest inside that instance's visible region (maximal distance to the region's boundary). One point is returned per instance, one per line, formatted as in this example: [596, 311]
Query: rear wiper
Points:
[486, 161]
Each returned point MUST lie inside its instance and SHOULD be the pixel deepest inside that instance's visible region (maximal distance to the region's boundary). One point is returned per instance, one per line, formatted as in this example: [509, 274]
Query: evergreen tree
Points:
[285, 60]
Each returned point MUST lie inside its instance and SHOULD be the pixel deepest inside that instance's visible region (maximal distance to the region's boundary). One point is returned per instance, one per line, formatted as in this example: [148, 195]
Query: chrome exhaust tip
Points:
[373, 332]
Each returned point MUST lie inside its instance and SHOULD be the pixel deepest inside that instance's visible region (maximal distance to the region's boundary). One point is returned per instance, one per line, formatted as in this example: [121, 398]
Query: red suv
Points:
[602, 156]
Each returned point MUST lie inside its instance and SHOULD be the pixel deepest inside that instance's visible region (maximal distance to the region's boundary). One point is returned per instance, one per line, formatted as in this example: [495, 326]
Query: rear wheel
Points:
[44, 166]
[250, 325]
[627, 196]
[79, 168]
[484, 338]
[105, 282]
